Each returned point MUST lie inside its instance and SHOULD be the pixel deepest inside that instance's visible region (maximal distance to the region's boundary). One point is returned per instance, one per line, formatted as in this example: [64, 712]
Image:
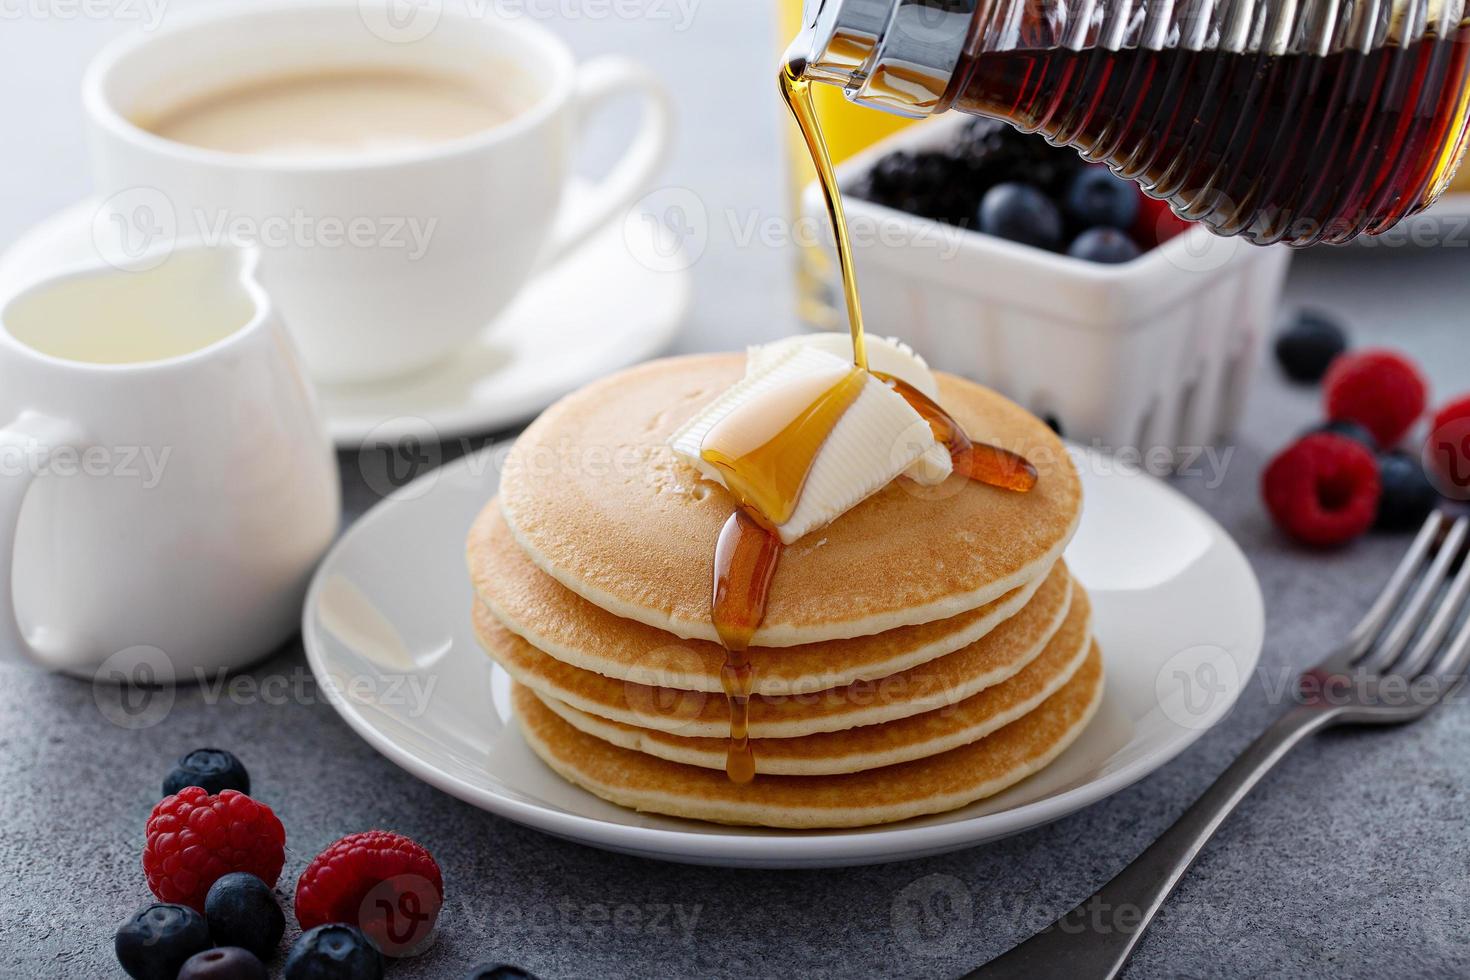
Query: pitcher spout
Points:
[167, 304]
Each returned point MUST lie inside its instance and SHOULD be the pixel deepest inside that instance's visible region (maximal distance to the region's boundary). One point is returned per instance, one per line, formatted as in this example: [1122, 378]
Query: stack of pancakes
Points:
[925, 650]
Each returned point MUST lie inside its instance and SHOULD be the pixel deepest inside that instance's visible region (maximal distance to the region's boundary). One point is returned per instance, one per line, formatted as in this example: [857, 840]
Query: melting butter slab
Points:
[878, 438]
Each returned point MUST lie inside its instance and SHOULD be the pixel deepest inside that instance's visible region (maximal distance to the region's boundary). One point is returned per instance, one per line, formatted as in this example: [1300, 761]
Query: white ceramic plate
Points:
[387, 628]
[598, 310]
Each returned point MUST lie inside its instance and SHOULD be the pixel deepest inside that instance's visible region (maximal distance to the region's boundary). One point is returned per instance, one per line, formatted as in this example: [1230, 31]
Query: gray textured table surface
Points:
[1350, 861]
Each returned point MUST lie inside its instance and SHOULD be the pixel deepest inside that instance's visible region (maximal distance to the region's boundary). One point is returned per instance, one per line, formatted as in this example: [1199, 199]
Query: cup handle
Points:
[36, 436]
[598, 81]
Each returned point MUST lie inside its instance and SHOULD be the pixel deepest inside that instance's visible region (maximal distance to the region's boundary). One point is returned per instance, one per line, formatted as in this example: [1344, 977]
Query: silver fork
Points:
[1375, 678]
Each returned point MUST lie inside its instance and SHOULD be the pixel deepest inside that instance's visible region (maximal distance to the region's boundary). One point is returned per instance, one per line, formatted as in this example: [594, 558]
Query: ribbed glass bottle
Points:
[1301, 121]
[1305, 121]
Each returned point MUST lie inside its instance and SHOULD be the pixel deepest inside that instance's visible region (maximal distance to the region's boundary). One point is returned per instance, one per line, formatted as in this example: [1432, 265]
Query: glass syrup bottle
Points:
[1297, 121]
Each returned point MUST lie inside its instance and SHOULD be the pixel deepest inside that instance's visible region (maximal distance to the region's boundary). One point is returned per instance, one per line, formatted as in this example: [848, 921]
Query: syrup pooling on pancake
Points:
[765, 448]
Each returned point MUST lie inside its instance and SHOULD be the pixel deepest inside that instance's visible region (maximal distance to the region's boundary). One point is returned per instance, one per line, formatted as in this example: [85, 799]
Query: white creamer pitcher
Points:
[165, 479]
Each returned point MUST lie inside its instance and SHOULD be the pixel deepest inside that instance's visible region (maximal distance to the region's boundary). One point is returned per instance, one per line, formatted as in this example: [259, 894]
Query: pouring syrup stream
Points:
[766, 450]
[796, 92]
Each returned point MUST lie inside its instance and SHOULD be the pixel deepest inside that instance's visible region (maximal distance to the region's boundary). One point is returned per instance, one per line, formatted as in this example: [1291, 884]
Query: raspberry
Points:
[194, 839]
[1323, 490]
[383, 883]
[1378, 389]
[1447, 452]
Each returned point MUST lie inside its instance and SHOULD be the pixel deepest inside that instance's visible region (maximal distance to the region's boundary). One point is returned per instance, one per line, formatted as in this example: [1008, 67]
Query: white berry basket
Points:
[1153, 356]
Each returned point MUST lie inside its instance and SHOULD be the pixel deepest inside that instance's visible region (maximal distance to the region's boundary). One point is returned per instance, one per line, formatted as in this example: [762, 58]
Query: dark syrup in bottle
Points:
[1300, 148]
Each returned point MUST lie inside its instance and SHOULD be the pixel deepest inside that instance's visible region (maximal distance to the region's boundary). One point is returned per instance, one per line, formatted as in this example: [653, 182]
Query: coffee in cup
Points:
[351, 113]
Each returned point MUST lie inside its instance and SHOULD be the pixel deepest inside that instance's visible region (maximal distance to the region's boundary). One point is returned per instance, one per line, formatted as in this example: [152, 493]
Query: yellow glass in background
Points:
[848, 129]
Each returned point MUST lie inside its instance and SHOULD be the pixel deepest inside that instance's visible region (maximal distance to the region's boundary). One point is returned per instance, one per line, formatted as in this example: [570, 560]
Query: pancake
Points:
[933, 785]
[869, 747]
[1060, 610]
[598, 501]
[561, 623]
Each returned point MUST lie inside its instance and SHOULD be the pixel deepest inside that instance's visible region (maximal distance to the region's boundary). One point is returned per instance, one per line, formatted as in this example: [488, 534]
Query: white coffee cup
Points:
[177, 503]
[376, 304]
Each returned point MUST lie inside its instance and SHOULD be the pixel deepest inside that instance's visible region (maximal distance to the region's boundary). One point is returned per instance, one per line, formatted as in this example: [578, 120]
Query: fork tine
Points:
[1439, 627]
[1362, 636]
[1450, 668]
[1398, 636]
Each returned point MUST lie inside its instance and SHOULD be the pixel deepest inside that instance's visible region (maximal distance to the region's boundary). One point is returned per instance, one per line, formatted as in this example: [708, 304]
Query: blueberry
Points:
[242, 911]
[1106, 245]
[1351, 430]
[333, 952]
[1021, 213]
[1408, 496]
[500, 971]
[1308, 344]
[156, 941]
[225, 963]
[214, 769]
[1099, 198]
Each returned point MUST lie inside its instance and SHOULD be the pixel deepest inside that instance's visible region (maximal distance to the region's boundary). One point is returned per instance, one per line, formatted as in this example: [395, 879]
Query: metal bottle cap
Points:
[895, 55]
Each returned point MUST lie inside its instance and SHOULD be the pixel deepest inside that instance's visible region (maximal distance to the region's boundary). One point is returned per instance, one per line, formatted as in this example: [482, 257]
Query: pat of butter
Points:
[878, 438]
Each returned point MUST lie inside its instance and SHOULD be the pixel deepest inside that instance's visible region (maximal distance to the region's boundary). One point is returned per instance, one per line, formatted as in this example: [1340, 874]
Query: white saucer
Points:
[597, 311]
[387, 626]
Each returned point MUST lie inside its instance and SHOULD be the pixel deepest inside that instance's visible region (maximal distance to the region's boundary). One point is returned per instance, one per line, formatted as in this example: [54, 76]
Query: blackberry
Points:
[995, 153]
[930, 184]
